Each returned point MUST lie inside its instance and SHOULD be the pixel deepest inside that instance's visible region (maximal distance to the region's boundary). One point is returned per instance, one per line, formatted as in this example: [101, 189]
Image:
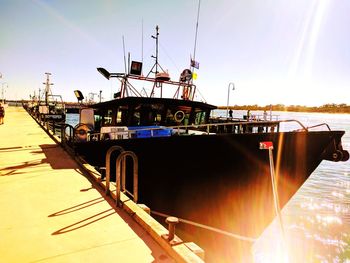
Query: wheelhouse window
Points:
[118, 119]
[121, 116]
[200, 117]
[147, 115]
[98, 120]
[178, 116]
[107, 117]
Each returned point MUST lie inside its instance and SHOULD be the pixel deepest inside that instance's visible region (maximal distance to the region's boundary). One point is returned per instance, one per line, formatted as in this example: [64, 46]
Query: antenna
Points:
[142, 46]
[124, 56]
[156, 38]
[195, 38]
[128, 62]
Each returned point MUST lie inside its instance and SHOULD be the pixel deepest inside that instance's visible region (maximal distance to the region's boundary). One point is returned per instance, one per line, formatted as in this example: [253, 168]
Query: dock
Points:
[51, 211]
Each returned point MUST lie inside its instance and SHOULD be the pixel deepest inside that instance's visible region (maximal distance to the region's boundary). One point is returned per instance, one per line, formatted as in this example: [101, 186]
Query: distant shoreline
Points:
[326, 108]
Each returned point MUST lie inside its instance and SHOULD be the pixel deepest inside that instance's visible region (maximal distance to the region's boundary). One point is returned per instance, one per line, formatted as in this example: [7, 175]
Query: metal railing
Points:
[319, 125]
[200, 129]
[259, 117]
[237, 127]
[67, 137]
[108, 164]
[209, 128]
[54, 126]
[121, 172]
[120, 177]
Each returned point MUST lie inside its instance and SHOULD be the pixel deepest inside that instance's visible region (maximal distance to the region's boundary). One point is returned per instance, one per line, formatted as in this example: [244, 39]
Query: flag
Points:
[194, 64]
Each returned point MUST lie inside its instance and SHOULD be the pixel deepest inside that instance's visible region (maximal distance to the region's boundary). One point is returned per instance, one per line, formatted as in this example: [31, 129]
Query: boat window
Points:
[121, 117]
[200, 117]
[147, 115]
[158, 118]
[177, 117]
[118, 118]
[98, 120]
[186, 120]
[136, 119]
[169, 120]
[157, 114]
[107, 118]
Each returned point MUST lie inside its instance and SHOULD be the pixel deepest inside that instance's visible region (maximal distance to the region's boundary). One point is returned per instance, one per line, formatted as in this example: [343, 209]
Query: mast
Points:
[160, 77]
[156, 37]
[47, 87]
[156, 63]
[155, 57]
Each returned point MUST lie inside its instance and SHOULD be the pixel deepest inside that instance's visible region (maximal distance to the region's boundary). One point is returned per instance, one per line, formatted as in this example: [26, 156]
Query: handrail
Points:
[236, 123]
[229, 123]
[119, 177]
[321, 124]
[63, 132]
[303, 127]
[52, 125]
[108, 164]
[259, 117]
[206, 127]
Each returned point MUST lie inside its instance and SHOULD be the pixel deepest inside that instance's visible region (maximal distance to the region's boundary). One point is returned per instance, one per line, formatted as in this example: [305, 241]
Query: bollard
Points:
[171, 221]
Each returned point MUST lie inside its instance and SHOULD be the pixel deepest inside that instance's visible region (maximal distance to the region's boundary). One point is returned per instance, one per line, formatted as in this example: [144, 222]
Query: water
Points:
[317, 219]
[72, 119]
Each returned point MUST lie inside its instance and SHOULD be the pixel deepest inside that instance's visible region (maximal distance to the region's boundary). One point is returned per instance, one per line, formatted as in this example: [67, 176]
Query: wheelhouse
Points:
[136, 111]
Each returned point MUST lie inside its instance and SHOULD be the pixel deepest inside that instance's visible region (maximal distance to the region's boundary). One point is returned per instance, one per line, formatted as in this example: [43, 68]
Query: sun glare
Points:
[300, 72]
[309, 33]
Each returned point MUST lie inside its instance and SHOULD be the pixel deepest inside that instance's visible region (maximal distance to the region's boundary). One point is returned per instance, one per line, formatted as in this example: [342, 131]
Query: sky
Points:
[292, 52]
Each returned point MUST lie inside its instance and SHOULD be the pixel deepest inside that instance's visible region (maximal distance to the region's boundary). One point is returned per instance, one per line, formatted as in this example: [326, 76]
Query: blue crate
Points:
[164, 132]
[142, 133]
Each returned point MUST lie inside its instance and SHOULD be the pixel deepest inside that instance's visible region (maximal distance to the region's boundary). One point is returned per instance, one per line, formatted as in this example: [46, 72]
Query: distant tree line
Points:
[326, 108]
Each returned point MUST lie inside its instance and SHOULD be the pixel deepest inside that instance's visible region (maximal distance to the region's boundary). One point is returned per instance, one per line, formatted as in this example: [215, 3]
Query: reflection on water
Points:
[316, 223]
[317, 218]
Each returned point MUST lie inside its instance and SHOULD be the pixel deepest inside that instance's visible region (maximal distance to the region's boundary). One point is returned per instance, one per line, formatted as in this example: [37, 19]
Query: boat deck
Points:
[50, 212]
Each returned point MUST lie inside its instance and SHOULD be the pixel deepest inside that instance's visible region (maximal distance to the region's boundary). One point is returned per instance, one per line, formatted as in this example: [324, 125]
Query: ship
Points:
[210, 171]
[47, 106]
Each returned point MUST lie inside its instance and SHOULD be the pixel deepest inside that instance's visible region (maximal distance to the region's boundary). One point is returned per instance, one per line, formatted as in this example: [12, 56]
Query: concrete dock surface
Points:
[51, 212]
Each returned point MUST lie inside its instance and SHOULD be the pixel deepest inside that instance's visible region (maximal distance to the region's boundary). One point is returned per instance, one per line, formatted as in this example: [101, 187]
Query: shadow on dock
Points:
[78, 207]
[85, 222]
[54, 156]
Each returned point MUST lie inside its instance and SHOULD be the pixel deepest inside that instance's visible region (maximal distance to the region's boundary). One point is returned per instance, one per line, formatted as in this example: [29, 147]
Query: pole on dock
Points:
[228, 96]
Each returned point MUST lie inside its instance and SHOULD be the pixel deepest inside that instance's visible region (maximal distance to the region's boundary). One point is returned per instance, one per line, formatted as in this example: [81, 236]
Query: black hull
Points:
[220, 180]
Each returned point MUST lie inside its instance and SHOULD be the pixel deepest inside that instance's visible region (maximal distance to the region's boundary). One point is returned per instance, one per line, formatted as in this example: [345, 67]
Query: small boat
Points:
[209, 171]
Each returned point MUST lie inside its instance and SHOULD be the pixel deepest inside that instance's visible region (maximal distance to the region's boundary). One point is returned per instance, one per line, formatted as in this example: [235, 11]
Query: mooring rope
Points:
[214, 229]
